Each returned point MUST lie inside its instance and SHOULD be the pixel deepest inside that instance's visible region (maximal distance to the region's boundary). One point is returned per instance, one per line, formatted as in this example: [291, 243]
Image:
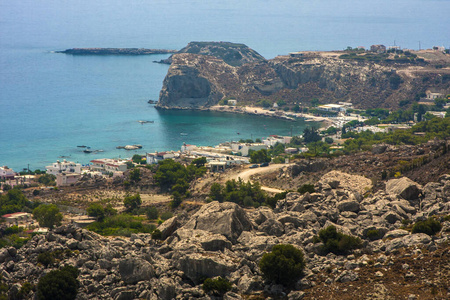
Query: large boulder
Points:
[404, 187]
[346, 181]
[205, 264]
[168, 227]
[227, 219]
[133, 270]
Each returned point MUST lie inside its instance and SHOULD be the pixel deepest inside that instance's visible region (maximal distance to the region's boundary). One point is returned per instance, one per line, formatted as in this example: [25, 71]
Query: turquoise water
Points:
[50, 103]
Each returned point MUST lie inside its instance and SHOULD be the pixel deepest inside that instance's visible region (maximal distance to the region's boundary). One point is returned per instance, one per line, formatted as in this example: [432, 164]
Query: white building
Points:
[67, 179]
[432, 95]
[244, 148]
[274, 139]
[332, 107]
[105, 165]
[154, 158]
[65, 166]
[187, 147]
[232, 102]
[6, 173]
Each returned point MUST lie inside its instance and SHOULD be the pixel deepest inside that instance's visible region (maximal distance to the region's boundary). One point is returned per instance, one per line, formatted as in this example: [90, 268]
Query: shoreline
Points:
[258, 111]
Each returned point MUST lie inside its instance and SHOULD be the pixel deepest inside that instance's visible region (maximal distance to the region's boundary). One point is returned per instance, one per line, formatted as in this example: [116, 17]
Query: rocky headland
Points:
[115, 51]
[223, 239]
[205, 75]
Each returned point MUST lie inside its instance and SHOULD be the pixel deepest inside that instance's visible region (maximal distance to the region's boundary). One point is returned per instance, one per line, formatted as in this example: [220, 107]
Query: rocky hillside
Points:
[222, 239]
[198, 80]
[231, 53]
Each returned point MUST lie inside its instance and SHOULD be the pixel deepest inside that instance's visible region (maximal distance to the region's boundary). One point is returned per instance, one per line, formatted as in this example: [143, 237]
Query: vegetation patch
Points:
[431, 226]
[217, 286]
[284, 265]
[336, 242]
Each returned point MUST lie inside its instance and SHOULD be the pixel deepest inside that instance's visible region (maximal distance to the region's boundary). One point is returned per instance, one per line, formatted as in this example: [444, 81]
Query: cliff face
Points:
[196, 80]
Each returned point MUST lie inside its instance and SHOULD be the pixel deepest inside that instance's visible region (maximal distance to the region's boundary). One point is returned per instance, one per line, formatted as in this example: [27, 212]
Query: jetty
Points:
[115, 51]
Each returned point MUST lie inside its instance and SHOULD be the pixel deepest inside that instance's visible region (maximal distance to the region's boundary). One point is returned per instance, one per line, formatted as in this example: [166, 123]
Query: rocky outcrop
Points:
[204, 73]
[115, 51]
[404, 187]
[222, 239]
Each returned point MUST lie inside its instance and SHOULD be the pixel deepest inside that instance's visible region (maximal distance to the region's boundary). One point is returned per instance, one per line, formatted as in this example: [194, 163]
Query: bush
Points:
[336, 242]
[59, 284]
[132, 202]
[218, 286]
[306, 188]
[284, 265]
[430, 226]
[156, 234]
[46, 258]
[166, 215]
[373, 234]
[152, 213]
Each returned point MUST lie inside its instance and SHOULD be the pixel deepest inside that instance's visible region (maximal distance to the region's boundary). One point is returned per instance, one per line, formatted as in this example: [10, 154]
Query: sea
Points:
[51, 103]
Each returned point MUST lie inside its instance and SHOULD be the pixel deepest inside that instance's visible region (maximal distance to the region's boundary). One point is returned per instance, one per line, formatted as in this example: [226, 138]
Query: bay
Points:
[49, 102]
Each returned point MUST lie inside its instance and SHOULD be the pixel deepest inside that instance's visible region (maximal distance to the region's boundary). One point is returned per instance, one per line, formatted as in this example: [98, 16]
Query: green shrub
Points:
[217, 286]
[431, 226]
[373, 234]
[46, 258]
[336, 242]
[152, 213]
[166, 215]
[306, 188]
[284, 265]
[156, 234]
[59, 284]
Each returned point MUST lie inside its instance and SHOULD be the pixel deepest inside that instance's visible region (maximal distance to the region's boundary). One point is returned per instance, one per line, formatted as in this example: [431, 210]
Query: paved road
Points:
[247, 173]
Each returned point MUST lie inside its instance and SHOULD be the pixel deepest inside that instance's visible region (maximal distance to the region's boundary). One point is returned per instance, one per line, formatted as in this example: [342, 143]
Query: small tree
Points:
[259, 156]
[431, 226]
[48, 215]
[135, 175]
[284, 265]
[59, 284]
[96, 210]
[132, 202]
[152, 213]
[217, 286]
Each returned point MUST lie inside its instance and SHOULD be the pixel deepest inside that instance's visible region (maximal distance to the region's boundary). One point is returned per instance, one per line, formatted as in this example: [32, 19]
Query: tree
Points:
[137, 159]
[311, 135]
[315, 102]
[47, 179]
[216, 192]
[132, 202]
[96, 210]
[48, 215]
[135, 175]
[199, 162]
[259, 156]
[284, 265]
[59, 284]
[296, 108]
[152, 213]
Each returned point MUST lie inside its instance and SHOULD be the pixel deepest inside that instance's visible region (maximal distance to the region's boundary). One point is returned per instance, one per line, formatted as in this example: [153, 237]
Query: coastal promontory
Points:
[115, 51]
[209, 72]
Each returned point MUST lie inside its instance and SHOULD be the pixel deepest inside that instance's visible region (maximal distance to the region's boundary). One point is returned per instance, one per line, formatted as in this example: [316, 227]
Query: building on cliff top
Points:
[65, 166]
[6, 173]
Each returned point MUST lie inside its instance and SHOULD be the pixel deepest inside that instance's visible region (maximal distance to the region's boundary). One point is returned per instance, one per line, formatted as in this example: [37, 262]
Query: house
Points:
[291, 150]
[361, 48]
[65, 166]
[332, 107]
[154, 158]
[6, 173]
[106, 165]
[432, 95]
[17, 217]
[186, 148]
[67, 179]
[232, 102]
[378, 48]
[296, 54]
[272, 140]
[244, 148]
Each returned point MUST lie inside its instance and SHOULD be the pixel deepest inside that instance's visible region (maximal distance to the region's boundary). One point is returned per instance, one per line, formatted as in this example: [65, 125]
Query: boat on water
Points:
[130, 147]
[88, 150]
[82, 146]
[183, 134]
[144, 122]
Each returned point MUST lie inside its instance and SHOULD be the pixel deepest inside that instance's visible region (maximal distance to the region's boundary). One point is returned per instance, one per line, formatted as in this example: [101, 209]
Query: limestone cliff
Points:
[197, 80]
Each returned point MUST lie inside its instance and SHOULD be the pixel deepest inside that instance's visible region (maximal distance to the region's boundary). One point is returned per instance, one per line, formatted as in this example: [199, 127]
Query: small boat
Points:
[144, 122]
[120, 147]
[82, 146]
[183, 134]
[87, 151]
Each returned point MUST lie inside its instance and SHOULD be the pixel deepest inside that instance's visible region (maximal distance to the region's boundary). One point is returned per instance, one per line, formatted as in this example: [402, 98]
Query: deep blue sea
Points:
[50, 103]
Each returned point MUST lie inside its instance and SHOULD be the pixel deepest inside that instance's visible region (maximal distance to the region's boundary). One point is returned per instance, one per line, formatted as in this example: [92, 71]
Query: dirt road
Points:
[248, 173]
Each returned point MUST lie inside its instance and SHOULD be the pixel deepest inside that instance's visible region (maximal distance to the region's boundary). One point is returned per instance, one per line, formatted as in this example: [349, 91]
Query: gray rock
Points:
[407, 241]
[348, 205]
[347, 276]
[72, 243]
[396, 233]
[391, 217]
[228, 219]
[168, 227]
[125, 295]
[166, 288]
[248, 284]
[4, 254]
[133, 270]
[404, 187]
[272, 227]
[232, 296]
[296, 295]
[206, 264]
